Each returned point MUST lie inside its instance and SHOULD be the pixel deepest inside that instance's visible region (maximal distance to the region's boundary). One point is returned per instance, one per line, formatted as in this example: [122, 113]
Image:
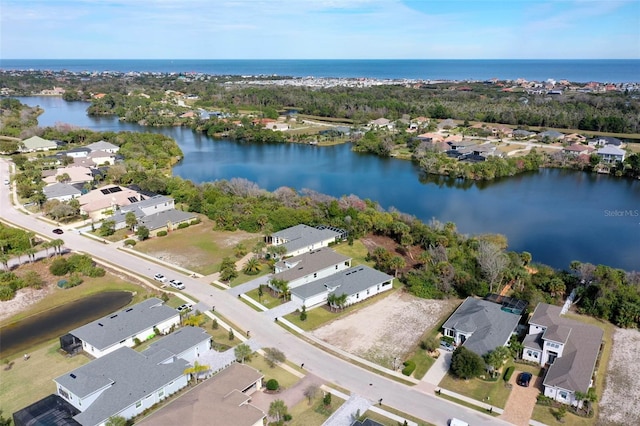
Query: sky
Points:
[319, 29]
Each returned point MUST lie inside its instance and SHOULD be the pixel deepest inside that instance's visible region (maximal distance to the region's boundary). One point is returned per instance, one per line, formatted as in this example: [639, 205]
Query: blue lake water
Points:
[557, 215]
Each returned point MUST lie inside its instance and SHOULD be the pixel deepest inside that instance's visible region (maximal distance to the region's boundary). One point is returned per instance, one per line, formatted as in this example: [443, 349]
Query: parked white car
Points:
[176, 284]
[184, 308]
[160, 277]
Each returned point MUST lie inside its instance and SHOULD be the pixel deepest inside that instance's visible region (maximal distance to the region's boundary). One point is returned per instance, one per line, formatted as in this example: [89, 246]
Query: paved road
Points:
[265, 332]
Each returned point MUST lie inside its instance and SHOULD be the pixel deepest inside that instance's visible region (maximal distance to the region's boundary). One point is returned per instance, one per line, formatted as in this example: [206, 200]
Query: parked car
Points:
[457, 422]
[159, 277]
[176, 284]
[58, 231]
[6, 181]
[446, 346]
[524, 379]
[184, 308]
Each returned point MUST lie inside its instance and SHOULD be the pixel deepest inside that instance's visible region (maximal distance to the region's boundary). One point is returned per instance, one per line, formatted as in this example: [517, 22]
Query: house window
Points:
[529, 353]
[160, 394]
[315, 275]
[336, 267]
[357, 295]
[138, 404]
[563, 395]
[535, 355]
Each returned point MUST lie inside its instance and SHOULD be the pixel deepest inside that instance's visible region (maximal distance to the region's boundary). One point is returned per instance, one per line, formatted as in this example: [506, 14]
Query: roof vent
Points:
[129, 310]
[113, 316]
[73, 376]
[100, 324]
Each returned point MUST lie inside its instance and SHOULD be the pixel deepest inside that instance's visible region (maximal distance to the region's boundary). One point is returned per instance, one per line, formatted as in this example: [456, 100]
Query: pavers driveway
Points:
[521, 401]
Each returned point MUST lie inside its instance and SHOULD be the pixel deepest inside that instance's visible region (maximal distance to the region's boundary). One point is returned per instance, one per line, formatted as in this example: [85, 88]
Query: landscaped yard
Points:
[305, 414]
[357, 252]
[496, 391]
[267, 299]
[284, 378]
[198, 248]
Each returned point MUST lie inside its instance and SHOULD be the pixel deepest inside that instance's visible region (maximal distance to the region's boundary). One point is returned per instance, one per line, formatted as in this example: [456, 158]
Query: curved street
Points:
[413, 400]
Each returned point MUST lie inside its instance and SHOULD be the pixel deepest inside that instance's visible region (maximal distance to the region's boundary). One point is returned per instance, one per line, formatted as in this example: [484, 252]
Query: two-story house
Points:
[569, 348]
[611, 154]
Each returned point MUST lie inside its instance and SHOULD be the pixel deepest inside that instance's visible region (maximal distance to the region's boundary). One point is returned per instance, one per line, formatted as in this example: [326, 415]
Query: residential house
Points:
[156, 213]
[104, 202]
[523, 134]
[381, 123]
[447, 124]
[80, 152]
[611, 154]
[302, 238]
[575, 138]
[568, 347]
[358, 283]
[310, 266]
[502, 131]
[462, 144]
[102, 157]
[277, 126]
[226, 397]
[76, 174]
[578, 149]
[36, 143]
[480, 325]
[61, 191]
[187, 343]
[605, 140]
[103, 146]
[552, 135]
[123, 383]
[123, 328]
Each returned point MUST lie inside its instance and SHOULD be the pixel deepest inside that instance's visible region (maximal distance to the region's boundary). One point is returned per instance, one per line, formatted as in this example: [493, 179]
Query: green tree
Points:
[397, 262]
[243, 352]
[195, 370]
[495, 358]
[107, 228]
[303, 313]
[131, 220]
[466, 364]
[274, 356]
[277, 410]
[228, 269]
[116, 421]
[142, 233]
[252, 267]
[327, 399]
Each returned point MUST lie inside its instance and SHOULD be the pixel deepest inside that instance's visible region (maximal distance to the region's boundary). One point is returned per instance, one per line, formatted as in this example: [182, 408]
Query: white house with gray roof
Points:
[481, 326]
[570, 349]
[36, 143]
[302, 238]
[310, 266]
[122, 328]
[611, 154]
[103, 146]
[61, 191]
[358, 283]
[155, 213]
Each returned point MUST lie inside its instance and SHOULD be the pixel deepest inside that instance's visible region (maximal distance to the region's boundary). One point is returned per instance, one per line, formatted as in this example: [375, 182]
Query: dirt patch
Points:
[387, 329]
[620, 403]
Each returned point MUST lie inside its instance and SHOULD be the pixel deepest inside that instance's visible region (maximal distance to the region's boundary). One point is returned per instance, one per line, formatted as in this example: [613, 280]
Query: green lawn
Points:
[357, 252]
[284, 378]
[478, 389]
[28, 381]
[321, 315]
[267, 299]
[198, 248]
[243, 278]
[423, 363]
[305, 414]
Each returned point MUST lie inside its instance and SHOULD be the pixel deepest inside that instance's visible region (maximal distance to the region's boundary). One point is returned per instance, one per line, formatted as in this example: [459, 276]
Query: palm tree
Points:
[31, 254]
[277, 410]
[396, 263]
[252, 266]
[4, 259]
[57, 244]
[196, 370]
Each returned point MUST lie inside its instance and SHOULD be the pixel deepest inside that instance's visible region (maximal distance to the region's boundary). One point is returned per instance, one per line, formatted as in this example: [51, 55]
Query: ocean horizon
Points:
[574, 70]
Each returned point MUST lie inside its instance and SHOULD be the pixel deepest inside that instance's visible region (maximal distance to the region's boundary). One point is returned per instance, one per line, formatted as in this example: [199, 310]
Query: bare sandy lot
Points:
[620, 404]
[387, 329]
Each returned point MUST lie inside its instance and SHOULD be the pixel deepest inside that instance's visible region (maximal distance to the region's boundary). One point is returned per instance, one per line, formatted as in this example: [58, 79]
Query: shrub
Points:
[272, 385]
[327, 398]
[6, 292]
[74, 280]
[136, 341]
[409, 366]
[95, 272]
[429, 344]
[59, 267]
[508, 373]
[195, 221]
[183, 225]
[130, 242]
[162, 233]
[287, 417]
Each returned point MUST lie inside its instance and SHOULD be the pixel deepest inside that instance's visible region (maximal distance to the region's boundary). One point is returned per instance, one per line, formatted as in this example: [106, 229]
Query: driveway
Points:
[439, 368]
[521, 401]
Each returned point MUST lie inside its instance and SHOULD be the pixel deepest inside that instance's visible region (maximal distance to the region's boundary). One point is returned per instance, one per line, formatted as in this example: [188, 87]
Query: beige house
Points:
[103, 202]
[77, 174]
[36, 143]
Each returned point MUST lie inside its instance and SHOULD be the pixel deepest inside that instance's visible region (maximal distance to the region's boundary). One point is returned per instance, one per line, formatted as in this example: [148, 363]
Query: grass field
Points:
[479, 389]
[357, 252]
[28, 381]
[267, 299]
[198, 248]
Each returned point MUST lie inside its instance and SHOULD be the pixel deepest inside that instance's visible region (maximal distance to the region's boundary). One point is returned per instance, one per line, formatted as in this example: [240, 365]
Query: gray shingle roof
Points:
[60, 190]
[490, 325]
[308, 263]
[160, 219]
[349, 281]
[176, 343]
[128, 375]
[116, 327]
[101, 146]
[573, 370]
[301, 236]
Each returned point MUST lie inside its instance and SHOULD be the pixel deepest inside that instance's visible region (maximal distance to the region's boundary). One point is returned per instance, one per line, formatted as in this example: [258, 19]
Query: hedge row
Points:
[508, 373]
[409, 366]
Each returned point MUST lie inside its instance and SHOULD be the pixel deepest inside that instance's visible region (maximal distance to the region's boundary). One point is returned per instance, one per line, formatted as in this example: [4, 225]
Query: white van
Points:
[457, 422]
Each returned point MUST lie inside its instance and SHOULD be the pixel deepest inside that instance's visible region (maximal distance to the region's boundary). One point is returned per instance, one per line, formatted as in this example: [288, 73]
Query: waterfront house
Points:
[604, 140]
[310, 266]
[103, 146]
[36, 143]
[611, 154]
[480, 325]
[122, 329]
[358, 283]
[578, 149]
[302, 238]
[569, 349]
[381, 123]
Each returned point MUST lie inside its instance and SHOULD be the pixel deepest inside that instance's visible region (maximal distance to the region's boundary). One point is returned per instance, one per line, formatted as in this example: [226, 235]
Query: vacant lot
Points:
[198, 248]
[620, 403]
[387, 329]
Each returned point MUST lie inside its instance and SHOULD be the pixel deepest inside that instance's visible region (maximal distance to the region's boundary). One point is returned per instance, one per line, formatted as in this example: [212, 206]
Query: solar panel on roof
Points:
[115, 189]
[104, 191]
[133, 199]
